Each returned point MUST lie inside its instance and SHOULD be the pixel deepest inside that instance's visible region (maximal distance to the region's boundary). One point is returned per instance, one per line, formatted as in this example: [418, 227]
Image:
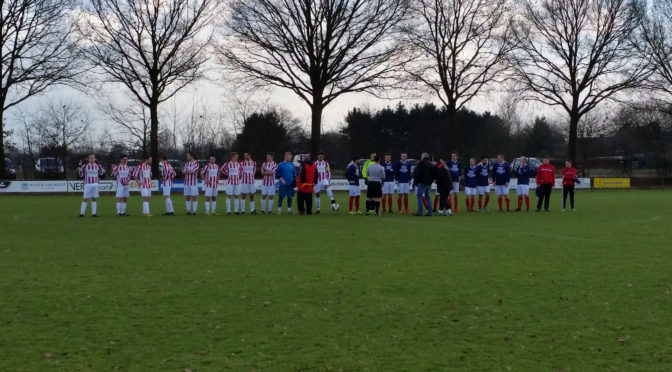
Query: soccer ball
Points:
[334, 207]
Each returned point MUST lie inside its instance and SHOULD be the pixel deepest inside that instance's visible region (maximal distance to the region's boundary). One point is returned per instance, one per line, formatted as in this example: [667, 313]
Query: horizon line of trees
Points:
[573, 55]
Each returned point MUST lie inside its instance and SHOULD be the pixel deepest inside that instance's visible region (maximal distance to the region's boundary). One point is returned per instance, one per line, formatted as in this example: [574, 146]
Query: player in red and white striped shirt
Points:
[210, 176]
[268, 183]
[190, 171]
[233, 171]
[247, 186]
[143, 176]
[91, 173]
[323, 180]
[167, 176]
[122, 173]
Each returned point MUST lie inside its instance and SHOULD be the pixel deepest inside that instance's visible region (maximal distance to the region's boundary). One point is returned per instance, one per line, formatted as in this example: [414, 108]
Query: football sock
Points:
[228, 205]
[406, 202]
[499, 201]
[169, 206]
[487, 200]
[289, 204]
[263, 205]
[350, 201]
[242, 205]
[188, 206]
[194, 206]
[520, 202]
[317, 203]
[213, 206]
[436, 202]
[480, 202]
[330, 194]
[82, 210]
[145, 207]
[399, 202]
[94, 207]
[508, 203]
[357, 202]
[527, 201]
[377, 206]
[251, 205]
[118, 208]
[236, 205]
[455, 201]
[207, 206]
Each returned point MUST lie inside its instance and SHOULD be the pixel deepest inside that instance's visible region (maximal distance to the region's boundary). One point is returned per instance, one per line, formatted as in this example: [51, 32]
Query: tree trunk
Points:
[154, 135]
[316, 129]
[573, 136]
[3, 174]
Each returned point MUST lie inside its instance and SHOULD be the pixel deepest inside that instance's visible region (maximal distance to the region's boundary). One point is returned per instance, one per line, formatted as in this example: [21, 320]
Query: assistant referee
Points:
[374, 190]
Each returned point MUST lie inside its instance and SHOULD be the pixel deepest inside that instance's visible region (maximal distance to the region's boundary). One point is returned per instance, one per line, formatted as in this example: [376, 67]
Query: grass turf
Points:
[526, 292]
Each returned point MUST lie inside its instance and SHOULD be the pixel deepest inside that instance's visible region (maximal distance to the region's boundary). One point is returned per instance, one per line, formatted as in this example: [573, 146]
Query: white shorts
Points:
[456, 188]
[403, 188]
[123, 191]
[210, 191]
[522, 189]
[470, 191]
[388, 188]
[248, 188]
[482, 190]
[190, 190]
[268, 190]
[91, 191]
[501, 190]
[355, 190]
[145, 193]
[321, 185]
[232, 190]
[166, 190]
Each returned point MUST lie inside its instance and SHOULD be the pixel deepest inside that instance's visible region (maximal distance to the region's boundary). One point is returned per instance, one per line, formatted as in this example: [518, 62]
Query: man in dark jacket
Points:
[306, 186]
[444, 184]
[426, 174]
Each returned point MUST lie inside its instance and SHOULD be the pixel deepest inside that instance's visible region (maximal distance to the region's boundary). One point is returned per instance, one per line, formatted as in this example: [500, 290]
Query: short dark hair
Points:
[233, 154]
[271, 154]
[355, 158]
[212, 156]
[164, 157]
[123, 156]
[376, 159]
[320, 153]
[455, 152]
[484, 157]
[388, 154]
[191, 153]
[569, 161]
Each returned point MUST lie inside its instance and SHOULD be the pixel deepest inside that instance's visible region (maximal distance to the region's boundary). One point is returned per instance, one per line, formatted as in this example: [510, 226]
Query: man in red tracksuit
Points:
[568, 180]
[306, 186]
[545, 181]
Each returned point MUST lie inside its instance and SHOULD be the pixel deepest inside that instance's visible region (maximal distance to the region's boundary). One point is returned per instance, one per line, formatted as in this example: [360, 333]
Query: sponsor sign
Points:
[611, 183]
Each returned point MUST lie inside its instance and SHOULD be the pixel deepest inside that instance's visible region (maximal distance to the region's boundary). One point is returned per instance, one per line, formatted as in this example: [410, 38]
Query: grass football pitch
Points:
[585, 291]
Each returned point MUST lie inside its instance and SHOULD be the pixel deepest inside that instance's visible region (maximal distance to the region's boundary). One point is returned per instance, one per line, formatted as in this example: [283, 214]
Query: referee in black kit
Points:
[374, 186]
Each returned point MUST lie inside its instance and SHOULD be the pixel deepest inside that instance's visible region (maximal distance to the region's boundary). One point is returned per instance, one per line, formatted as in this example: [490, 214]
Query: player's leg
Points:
[571, 197]
[290, 196]
[187, 196]
[500, 196]
[565, 191]
[317, 199]
[487, 198]
[243, 200]
[437, 196]
[252, 190]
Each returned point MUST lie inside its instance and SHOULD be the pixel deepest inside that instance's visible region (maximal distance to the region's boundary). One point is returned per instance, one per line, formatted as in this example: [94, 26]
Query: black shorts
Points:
[374, 190]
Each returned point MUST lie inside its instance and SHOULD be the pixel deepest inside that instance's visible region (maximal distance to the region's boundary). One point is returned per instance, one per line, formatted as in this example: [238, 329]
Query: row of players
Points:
[314, 178]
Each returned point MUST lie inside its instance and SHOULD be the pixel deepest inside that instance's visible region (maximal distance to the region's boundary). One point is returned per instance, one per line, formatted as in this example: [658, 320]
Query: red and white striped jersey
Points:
[249, 169]
[269, 180]
[191, 179]
[91, 173]
[122, 173]
[234, 171]
[210, 174]
[143, 174]
[167, 174]
[323, 170]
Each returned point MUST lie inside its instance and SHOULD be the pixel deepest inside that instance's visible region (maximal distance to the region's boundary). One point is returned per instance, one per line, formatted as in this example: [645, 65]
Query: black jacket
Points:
[444, 183]
[426, 172]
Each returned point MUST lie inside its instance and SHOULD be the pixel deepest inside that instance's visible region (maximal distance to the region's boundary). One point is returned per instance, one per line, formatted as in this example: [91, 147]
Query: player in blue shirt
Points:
[455, 169]
[524, 172]
[286, 174]
[402, 175]
[388, 182]
[483, 182]
[501, 175]
[352, 175]
[470, 184]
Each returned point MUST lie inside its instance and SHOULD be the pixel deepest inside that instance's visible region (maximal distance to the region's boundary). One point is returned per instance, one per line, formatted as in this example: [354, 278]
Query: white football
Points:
[335, 207]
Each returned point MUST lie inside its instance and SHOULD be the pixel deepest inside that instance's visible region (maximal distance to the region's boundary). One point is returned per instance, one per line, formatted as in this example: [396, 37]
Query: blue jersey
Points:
[454, 168]
[523, 173]
[501, 173]
[482, 174]
[389, 171]
[352, 174]
[286, 171]
[470, 177]
[402, 171]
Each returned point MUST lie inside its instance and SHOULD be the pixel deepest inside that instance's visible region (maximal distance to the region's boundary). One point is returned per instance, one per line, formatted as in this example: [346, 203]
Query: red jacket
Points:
[568, 176]
[307, 177]
[546, 174]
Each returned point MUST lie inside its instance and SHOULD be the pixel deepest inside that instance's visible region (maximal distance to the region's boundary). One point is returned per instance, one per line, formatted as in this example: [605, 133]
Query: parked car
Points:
[46, 168]
[10, 172]
[534, 163]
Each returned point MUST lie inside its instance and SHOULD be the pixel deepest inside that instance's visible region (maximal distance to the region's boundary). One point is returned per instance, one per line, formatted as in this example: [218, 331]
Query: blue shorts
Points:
[286, 191]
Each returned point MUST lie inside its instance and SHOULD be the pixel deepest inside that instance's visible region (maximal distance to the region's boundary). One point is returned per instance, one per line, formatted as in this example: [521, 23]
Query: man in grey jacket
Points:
[374, 191]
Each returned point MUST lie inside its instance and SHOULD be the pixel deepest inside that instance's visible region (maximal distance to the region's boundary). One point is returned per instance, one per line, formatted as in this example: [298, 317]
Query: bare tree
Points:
[38, 51]
[460, 47]
[318, 49]
[61, 125]
[154, 48]
[574, 54]
[656, 31]
[133, 122]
